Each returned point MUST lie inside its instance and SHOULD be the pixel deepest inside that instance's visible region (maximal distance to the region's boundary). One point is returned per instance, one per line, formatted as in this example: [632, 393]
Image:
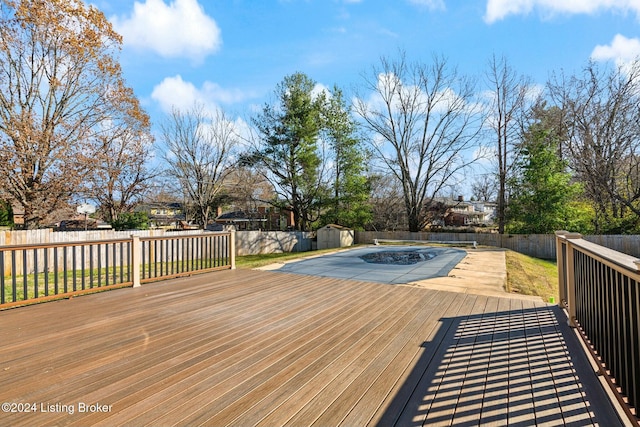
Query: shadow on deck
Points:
[242, 347]
[518, 367]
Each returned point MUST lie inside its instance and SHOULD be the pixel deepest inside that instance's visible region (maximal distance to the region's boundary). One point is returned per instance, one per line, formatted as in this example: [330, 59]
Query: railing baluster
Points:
[115, 263]
[83, 267]
[3, 296]
[599, 299]
[200, 256]
[216, 245]
[65, 269]
[162, 257]
[192, 243]
[187, 257]
[99, 251]
[207, 245]
[90, 266]
[634, 304]
[75, 267]
[609, 335]
[55, 270]
[121, 262]
[147, 260]
[155, 258]
[14, 284]
[25, 277]
[143, 245]
[168, 257]
[35, 273]
[129, 266]
[628, 337]
[106, 264]
[173, 256]
[184, 257]
[618, 326]
[46, 271]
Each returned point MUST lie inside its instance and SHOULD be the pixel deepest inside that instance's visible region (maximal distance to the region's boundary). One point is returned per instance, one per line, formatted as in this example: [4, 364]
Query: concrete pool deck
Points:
[479, 271]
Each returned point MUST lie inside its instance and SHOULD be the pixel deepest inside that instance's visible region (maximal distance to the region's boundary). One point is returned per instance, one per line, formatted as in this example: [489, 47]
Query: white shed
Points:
[335, 236]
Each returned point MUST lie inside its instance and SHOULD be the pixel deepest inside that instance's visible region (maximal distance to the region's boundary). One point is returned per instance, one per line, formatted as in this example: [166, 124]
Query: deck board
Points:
[348, 348]
[242, 347]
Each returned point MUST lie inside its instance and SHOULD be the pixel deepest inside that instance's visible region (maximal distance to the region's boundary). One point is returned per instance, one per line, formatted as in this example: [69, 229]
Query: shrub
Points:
[131, 221]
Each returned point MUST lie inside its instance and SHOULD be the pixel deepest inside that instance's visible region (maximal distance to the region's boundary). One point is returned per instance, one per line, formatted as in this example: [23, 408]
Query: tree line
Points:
[558, 156]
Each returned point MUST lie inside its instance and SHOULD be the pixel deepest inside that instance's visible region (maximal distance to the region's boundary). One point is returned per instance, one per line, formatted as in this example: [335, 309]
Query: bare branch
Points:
[422, 122]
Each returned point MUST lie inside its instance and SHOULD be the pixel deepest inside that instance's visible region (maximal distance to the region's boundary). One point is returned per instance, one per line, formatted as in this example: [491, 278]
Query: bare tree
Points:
[121, 175]
[422, 121]
[508, 110]
[59, 78]
[200, 152]
[485, 187]
[248, 188]
[386, 201]
[603, 120]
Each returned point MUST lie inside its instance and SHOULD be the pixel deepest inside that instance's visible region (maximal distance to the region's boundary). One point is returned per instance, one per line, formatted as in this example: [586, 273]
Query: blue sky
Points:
[232, 53]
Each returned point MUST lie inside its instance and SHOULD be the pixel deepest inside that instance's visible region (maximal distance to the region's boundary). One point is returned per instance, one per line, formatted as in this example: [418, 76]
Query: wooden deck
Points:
[246, 348]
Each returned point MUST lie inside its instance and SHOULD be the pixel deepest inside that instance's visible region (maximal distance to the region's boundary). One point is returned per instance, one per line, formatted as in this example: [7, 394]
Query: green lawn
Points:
[73, 281]
[60, 283]
[255, 261]
[531, 276]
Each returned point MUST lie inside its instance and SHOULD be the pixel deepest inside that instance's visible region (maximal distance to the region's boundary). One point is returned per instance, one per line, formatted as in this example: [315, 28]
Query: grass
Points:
[531, 276]
[255, 261]
[93, 279]
[60, 283]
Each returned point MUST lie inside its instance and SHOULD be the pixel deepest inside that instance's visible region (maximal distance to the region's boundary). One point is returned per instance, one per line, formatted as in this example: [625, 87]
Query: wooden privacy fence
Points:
[247, 242]
[40, 272]
[599, 289]
[536, 245]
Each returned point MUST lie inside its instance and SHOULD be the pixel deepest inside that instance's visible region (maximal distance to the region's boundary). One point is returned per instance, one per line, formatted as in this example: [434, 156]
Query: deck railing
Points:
[166, 257]
[600, 290]
[41, 272]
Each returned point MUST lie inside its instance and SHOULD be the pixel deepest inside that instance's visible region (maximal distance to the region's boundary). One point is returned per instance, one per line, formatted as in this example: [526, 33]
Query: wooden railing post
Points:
[232, 248]
[571, 288]
[570, 277]
[136, 260]
[561, 249]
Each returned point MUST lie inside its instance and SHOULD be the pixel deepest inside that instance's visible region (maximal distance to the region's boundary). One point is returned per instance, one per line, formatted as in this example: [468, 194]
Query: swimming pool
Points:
[382, 264]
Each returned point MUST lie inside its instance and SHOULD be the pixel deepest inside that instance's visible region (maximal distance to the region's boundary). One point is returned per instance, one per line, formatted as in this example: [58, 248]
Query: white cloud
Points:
[389, 86]
[175, 92]
[499, 9]
[179, 30]
[622, 50]
[430, 4]
[318, 89]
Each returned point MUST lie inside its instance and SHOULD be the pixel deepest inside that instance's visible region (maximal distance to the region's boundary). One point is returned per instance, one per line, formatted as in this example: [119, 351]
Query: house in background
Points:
[456, 212]
[488, 211]
[262, 217]
[18, 216]
[164, 215]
